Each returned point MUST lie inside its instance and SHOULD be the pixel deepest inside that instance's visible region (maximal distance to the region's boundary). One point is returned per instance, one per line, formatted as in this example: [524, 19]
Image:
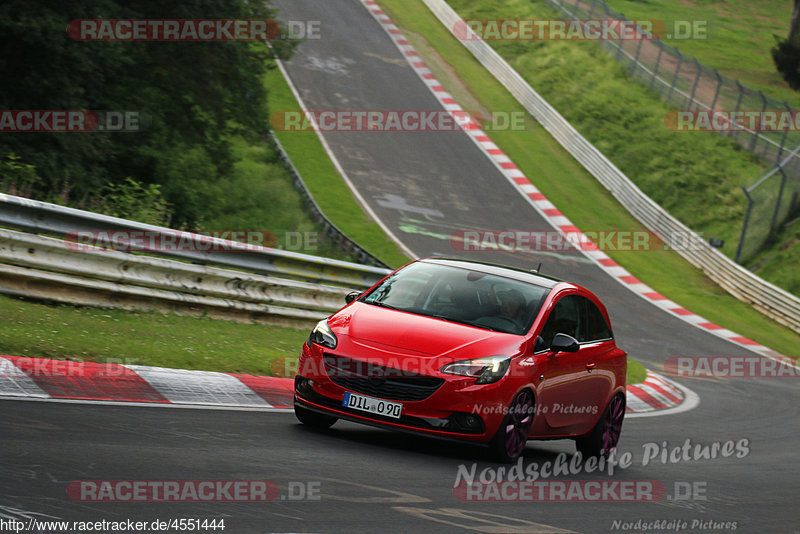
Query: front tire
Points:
[313, 419]
[603, 438]
[509, 441]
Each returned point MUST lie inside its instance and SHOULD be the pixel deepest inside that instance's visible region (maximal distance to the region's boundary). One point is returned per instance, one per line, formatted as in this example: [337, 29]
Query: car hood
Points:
[414, 334]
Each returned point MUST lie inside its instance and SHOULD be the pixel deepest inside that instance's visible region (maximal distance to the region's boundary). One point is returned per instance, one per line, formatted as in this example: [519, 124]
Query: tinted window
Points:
[575, 316]
[564, 318]
[461, 295]
[596, 326]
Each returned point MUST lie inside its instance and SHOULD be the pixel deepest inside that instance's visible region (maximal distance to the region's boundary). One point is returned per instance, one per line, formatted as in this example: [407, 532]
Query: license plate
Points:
[374, 406]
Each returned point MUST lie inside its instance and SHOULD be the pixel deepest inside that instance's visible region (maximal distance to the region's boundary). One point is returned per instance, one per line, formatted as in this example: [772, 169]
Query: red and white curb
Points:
[658, 395]
[545, 208]
[71, 381]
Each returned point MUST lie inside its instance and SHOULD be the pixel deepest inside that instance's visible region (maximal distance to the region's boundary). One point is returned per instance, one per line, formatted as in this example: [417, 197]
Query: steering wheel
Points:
[510, 320]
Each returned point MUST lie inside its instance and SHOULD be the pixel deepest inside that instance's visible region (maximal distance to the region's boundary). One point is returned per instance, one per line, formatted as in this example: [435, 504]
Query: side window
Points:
[575, 316]
[596, 327]
[565, 318]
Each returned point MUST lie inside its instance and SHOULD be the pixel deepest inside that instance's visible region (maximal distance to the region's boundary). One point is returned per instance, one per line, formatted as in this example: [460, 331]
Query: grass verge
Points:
[116, 336]
[570, 187]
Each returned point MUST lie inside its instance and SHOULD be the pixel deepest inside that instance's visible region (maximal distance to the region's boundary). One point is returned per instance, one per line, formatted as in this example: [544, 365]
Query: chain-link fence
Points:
[771, 200]
[688, 85]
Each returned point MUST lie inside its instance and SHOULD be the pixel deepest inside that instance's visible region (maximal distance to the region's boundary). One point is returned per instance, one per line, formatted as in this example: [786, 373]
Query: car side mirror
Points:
[350, 297]
[564, 343]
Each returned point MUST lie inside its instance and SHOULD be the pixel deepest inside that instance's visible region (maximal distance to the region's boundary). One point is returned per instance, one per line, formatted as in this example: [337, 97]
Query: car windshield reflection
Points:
[462, 296]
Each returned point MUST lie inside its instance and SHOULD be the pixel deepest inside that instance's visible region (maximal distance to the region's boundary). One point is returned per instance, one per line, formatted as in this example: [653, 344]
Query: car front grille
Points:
[379, 381]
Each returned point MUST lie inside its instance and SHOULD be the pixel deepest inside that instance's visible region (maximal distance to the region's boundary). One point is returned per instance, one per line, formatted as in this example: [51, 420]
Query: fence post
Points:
[744, 225]
[719, 86]
[756, 133]
[785, 134]
[619, 48]
[591, 11]
[641, 36]
[675, 75]
[774, 222]
[694, 86]
[658, 62]
[735, 131]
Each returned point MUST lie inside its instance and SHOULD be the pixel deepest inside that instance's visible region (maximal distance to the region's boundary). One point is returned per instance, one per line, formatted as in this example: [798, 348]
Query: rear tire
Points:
[603, 438]
[509, 441]
[313, 419]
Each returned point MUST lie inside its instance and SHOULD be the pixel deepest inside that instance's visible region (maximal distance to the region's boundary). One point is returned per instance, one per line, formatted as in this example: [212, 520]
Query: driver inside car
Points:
[512, 305]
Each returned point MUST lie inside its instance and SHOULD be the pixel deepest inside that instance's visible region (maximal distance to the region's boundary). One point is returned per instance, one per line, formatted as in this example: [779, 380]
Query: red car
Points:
[471, 351]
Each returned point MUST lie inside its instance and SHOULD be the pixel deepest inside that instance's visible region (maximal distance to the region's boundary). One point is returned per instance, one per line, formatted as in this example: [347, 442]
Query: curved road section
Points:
[727, 464]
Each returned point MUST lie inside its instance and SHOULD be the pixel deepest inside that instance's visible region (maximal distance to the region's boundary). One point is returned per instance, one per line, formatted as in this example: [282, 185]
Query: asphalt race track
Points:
[360, 479]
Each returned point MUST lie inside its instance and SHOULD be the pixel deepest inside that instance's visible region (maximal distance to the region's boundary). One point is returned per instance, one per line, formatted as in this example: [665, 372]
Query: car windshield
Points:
[462, 296]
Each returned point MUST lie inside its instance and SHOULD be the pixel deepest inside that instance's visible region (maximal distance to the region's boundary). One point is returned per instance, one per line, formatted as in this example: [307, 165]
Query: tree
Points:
[198, 95]
[786, 53]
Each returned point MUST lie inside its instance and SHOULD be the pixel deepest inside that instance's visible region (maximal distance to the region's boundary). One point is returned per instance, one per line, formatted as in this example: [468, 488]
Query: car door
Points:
[571, 386]
[599, 351]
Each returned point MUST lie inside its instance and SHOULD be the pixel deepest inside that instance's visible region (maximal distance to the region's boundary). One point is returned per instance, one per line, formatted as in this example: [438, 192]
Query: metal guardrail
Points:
[744, 285]
[60, 221]
[52, 269]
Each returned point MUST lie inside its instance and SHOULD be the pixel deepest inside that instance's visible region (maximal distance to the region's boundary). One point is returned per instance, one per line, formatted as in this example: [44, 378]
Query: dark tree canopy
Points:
[197, 94]
[786, 53]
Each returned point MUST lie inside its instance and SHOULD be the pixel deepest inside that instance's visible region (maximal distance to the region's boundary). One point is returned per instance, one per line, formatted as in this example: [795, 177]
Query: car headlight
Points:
[323, 335]
[487, 370]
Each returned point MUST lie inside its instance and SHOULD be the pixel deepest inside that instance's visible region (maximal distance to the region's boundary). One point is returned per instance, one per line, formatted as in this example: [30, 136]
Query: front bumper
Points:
[456, 424]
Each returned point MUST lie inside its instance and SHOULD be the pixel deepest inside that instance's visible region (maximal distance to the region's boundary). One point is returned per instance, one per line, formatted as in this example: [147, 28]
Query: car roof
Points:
[515, 273]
